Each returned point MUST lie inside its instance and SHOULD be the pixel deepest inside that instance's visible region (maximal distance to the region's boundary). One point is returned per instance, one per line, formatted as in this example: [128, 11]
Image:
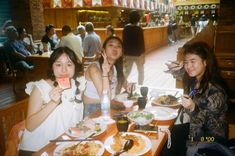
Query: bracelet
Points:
[105, 76]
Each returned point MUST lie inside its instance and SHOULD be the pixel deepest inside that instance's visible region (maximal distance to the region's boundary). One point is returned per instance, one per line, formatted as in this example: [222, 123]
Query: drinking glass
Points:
[142, 102]
[122, 124]
[144, 91]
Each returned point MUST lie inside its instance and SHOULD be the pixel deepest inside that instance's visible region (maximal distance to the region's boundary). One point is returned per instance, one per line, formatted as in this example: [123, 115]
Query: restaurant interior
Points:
[34, 15]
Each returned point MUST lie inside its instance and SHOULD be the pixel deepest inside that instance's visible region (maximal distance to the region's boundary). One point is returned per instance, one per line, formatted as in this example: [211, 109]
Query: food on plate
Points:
[64, 82]
[85, 126]
[119, 140]
[141, 117]
[81, 149]
[166, 100]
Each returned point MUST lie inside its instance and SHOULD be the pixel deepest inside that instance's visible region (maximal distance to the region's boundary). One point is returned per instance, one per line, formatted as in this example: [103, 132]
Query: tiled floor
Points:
[154, 67]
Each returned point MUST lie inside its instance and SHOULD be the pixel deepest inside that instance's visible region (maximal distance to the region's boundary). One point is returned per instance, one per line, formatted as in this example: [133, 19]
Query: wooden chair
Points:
[15, 73]
[10, 116]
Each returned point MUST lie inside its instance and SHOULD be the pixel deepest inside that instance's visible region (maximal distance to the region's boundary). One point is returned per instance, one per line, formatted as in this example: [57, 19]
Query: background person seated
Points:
[50, 37]
[26, 40]
[16, 51]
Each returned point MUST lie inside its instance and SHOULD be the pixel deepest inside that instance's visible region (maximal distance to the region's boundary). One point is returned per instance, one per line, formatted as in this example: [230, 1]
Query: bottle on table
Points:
[105, 105]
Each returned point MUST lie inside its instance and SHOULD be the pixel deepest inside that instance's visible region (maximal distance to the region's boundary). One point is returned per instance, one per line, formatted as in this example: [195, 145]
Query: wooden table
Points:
[40, 63]
[158, 139]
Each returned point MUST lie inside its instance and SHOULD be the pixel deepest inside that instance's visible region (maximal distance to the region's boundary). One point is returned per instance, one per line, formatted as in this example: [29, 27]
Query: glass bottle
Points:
[105, 105]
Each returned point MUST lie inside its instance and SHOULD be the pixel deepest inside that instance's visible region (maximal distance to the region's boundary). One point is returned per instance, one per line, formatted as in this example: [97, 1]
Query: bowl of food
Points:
[128, 103]
[141, 117]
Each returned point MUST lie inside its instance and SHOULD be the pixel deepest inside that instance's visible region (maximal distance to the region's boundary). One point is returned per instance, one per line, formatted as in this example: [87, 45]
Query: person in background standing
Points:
[193, 25]
[92, 44]
[133, 45]
[202, 23]
[173, 25]
[109, 31]
[50, 38]
[71, 41]
[81, 32]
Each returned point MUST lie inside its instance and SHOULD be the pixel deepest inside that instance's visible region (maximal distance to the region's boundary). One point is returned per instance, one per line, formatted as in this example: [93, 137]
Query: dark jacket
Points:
[133, 40]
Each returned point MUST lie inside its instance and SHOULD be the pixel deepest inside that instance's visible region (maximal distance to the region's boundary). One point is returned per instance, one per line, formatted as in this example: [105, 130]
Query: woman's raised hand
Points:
[106, 65]
[55, 95]
[188, 103]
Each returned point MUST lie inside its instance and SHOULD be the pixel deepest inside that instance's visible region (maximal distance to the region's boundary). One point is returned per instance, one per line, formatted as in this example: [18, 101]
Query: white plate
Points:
[67, 144]
[165, 105]
[85, 134]
[162, 113]
[109, 141]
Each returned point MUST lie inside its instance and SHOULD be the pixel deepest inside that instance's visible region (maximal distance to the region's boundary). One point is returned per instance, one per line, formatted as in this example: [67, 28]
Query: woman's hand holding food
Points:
[188, 103]
[55, 95]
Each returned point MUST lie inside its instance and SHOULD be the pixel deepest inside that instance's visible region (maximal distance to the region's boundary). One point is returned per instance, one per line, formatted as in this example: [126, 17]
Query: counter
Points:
[154, 37]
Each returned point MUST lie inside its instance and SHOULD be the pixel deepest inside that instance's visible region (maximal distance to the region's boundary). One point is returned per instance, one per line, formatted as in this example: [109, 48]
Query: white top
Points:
[64, 116]
[91, 91]
[73, 42]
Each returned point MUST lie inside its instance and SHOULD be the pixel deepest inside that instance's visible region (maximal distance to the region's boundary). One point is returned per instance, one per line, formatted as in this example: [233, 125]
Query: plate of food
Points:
[94, 148]
[162, 113]
[115, 143]
[166, 100]
[87, 127]
[140, 117]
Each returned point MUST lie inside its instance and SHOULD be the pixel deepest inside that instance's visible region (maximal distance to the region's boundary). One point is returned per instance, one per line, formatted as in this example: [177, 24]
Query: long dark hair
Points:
[72, 56]
[211, 74]
[118, 64]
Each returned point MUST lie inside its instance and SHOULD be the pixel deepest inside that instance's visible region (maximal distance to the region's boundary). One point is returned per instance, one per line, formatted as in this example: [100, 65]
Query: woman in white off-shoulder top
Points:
[52, 110]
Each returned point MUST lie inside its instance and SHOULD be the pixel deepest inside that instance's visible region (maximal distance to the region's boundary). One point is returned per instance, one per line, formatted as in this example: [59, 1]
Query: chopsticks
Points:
[89, 138]
[69, 140]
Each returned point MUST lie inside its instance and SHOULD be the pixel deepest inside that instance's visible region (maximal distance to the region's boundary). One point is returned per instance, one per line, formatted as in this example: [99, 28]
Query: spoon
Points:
[128, 145]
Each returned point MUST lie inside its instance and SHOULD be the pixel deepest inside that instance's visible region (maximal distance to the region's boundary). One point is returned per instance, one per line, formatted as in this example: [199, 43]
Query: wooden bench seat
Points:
[9, 116]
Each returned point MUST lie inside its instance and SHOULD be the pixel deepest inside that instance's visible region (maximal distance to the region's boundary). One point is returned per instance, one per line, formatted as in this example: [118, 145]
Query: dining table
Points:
[158, 138]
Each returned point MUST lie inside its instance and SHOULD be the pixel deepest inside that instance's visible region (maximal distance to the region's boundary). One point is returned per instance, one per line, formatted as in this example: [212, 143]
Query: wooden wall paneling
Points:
[49, 17]
[225, 42]
[66, 17]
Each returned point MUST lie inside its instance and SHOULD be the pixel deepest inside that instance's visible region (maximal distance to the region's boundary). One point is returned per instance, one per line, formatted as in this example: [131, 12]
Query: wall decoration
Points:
[67, 3]
[96, 3]
[87, 3]
[77, 3]
[199, 7]
[213, 6]
[46, 4]
[206, 6]
[192, 7]
[57, 3]
[107, 2]
[185, 7]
